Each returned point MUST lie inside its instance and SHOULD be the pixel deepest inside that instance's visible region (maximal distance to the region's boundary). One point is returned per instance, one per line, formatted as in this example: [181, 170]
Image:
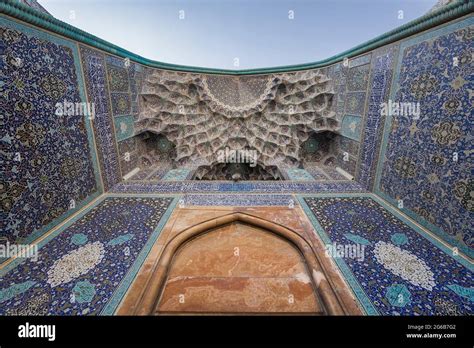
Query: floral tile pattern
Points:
[238, 200]
[117, 74]
[86, 267]
[125, 80]
[226, 186]
[177, 174]
[316, 171]
[358, 78]
[159, 173]
[398, 269]
[299, 174]
[355, 103]
[49, 165]
[135, 73]
[382, 72]
[124, 127]
[351, 88]
[361, 60]
[338, 73]
[121, 104]
[426, 164]
[93, 64]
[128, 151]
[351, 127]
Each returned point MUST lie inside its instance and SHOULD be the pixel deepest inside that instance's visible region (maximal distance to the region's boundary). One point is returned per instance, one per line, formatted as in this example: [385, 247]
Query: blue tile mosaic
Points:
[86, 267]
[351, 127]
[93, 64]
[128, 151]
[49, 167]
[135, 73]
[121, 103]
[425, 161]
[393, 267]
[333, 173]
[238, 200]
[355, 103]
[118, 77]
[299, 174]
[382, 71]
[125, 77]
[338, 73]
[177, 174]
[226, 186]
[358, 78]
[316, 171]
[124, 127]
[361, 60]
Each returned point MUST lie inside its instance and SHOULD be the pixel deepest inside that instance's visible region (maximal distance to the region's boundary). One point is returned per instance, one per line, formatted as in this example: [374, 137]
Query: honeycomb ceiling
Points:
[202, 114]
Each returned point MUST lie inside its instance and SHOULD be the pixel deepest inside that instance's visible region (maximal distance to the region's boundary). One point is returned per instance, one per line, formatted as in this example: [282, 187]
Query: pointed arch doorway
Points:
[238, 264]
[238, 268]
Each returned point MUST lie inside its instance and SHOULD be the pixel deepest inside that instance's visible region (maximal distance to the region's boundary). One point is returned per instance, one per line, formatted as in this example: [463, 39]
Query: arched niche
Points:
[306, 282]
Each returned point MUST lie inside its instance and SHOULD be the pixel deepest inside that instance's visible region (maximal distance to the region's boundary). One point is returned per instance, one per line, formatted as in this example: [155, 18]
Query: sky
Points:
[237, 34]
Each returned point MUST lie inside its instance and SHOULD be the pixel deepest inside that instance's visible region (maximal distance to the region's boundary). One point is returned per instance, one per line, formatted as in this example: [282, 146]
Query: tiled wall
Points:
[379, 87]
[54, 165]
[128, 151]
[125, 80]
[49, 165]
[426, 163]
[402, 269]
[93, 64]
[409, 162]
[350, 82]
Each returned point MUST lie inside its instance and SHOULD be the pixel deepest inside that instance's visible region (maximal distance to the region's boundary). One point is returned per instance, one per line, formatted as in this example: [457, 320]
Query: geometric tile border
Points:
[239, 187]
[238, 200]
[93, 64]
[381, 78]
